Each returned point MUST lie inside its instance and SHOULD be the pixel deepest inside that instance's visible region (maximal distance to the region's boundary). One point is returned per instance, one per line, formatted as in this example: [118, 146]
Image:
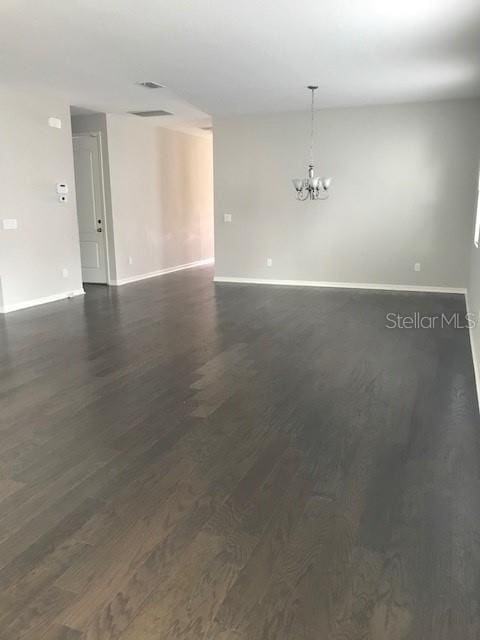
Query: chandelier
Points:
[311, 187]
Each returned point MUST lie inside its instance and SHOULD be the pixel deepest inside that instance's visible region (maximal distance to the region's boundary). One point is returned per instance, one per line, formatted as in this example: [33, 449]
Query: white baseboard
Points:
[343, 285]
[161, 272]
[37, 301]
[476, 363]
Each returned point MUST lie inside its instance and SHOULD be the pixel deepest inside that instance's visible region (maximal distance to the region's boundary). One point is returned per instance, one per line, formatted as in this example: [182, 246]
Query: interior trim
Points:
[343, 285]
[161, 272]
[8, 308]
[476, 365]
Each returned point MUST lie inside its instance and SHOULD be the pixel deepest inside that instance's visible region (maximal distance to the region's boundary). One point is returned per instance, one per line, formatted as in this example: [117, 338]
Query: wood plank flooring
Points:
[183, 460]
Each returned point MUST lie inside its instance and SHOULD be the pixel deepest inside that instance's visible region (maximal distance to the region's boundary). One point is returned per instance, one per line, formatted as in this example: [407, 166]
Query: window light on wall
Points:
[477, 218]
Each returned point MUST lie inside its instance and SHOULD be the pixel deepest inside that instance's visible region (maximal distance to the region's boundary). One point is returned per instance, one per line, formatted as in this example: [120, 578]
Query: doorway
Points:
[89, 186]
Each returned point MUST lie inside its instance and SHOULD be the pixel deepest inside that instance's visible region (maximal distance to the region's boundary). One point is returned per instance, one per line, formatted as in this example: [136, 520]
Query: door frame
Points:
[99, 140]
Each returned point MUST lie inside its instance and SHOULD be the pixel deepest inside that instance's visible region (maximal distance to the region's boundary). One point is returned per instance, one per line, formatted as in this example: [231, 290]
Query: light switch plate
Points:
[10, 223]
[56, 123]
[227, 217]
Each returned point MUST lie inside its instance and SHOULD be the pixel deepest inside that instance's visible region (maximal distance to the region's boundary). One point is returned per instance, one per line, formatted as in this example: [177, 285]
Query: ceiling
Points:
[217, 57]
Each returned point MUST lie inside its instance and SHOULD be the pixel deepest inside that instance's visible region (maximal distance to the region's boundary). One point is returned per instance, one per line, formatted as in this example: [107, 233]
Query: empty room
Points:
[239, 320]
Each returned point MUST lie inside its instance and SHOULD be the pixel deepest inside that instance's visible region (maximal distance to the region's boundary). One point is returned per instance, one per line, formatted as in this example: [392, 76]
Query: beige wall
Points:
[403, 191]
[33, 158]
[162, 196]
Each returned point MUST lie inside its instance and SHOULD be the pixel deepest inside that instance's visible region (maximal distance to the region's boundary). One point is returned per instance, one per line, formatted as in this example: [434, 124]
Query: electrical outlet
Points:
[130, 260]
[65, 272]
[417, 266]
[269, 262]
[227, 217]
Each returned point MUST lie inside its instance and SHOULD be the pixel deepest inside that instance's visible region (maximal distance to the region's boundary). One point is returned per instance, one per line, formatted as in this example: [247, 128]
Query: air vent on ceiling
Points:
[151, 85]
[151, 114]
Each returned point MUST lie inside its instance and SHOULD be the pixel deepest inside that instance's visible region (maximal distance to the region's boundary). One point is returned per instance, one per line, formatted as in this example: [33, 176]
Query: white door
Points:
[90, 207]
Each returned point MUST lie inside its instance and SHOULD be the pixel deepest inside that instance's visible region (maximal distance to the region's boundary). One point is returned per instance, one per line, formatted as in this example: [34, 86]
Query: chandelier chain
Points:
[312, 125]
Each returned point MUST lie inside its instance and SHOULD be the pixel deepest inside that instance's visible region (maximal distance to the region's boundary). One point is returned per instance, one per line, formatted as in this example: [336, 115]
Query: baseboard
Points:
[343, 285]
[476, 364]
[161, 272]
[38, 301]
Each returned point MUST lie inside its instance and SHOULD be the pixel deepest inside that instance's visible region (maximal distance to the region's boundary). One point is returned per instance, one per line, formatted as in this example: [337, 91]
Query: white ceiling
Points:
[223, 57]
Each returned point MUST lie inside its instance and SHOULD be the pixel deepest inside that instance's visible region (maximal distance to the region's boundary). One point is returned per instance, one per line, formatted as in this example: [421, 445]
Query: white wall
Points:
[403, 192]
[162, 196]
[473, 304]
[33, 158]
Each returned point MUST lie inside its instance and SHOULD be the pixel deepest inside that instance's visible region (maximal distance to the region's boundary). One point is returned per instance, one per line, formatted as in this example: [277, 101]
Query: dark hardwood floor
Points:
[184, 460]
